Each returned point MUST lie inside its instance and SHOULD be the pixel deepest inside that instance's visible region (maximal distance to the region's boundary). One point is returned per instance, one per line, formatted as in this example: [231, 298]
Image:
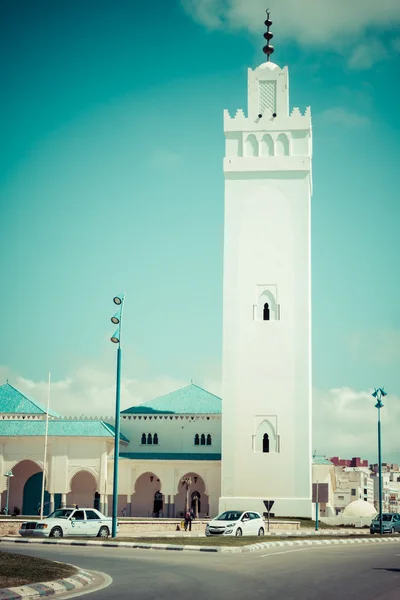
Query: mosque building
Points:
[172, 445]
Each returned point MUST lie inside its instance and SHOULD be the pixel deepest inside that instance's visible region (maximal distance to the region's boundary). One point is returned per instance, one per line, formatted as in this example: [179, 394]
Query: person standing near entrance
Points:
[188, 520]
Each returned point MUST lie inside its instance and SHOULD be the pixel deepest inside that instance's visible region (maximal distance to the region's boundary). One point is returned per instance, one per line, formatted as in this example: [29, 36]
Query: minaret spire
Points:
[268, 49]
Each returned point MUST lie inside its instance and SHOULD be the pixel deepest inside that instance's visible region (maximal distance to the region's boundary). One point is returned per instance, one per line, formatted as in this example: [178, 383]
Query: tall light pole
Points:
[116, 339]
[378, 394]
[9, 474]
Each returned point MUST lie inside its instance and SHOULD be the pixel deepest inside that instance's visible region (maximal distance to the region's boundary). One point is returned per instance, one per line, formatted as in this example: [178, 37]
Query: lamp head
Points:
[115, 337]
[116, 318]
[383, 393]
[119, 299]
[9, 474]
[375, 394]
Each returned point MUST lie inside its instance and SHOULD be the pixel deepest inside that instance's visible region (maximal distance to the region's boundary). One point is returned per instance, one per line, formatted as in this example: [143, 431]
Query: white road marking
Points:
[107, 580]
[287, 551]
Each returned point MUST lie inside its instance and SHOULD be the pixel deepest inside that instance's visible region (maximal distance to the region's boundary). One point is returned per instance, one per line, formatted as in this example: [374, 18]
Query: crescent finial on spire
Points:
[268, 48]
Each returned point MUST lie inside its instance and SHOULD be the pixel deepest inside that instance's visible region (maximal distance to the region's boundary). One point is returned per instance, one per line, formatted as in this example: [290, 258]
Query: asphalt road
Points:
[348, 572]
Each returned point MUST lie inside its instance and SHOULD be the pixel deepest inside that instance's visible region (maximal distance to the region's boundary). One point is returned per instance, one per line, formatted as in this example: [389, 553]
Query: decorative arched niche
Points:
[267, 146]
[266, 307]
[251, 146]
[282, 145]
[266, 439]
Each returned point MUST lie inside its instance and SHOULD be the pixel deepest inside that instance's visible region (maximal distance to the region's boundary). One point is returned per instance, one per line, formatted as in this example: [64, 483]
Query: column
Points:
[63, 500]
[128, 505]
[51, 503]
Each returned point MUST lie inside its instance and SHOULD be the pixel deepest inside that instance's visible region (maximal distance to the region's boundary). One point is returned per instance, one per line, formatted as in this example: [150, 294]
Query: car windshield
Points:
[62, 513]
[229, 515]
[384, 518]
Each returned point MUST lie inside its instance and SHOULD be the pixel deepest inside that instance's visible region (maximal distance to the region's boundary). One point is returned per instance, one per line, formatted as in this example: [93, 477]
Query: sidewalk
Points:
[277, 533]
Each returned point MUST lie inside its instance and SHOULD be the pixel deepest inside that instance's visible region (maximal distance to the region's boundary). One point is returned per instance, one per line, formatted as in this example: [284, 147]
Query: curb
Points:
[190, 548]
[48, 588]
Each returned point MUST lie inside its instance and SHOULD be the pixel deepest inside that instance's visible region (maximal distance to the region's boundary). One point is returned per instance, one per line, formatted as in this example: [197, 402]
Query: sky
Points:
[111, 181]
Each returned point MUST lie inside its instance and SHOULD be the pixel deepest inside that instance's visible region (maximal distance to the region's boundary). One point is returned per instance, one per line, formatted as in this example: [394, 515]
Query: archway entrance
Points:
[32, 496]
[27, 500]
[83, 490]
[191, 490]
[196, 503]
[147, 498]
[158, 503]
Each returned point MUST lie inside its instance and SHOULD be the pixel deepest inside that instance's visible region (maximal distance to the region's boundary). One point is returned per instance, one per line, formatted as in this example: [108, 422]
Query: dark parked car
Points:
[390, 523]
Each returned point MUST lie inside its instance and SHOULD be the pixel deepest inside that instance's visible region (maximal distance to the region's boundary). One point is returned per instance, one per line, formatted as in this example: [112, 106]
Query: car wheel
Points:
[104, 532]
[261, 531]
[238, 532]
[372, 532]
[56, 532]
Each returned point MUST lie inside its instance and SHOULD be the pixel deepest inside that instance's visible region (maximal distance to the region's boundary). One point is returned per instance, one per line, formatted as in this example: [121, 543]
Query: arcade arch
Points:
[147, 498]
[192, 491]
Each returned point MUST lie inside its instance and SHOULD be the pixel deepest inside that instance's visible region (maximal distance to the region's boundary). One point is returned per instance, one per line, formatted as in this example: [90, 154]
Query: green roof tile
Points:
[321, 460]
[188, 400]
[61, 427]
[14, 402]
[170, 456]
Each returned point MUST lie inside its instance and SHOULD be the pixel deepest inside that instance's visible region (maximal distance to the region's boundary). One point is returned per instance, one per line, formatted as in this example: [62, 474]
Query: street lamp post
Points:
[9, 474]
[116, 339]
[378, 394]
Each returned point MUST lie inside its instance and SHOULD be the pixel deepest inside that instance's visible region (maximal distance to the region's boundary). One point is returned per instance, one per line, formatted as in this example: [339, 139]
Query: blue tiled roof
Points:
[13, 402]
[61, 427]
[188, 400]
[170, 456]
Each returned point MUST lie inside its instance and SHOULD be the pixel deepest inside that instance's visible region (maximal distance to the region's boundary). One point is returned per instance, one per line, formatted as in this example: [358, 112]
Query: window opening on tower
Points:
[265, 446]
[266, 312]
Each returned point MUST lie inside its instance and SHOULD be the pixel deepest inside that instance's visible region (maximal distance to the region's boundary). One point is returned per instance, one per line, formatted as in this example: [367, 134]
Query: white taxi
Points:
[236, 522]
[69, 521]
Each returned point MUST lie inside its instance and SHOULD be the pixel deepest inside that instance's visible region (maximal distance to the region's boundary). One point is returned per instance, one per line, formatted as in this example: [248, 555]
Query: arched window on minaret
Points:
[203, 440]
[251, 146]
[143, 438]
[208, 439]
[266, 308]
[266, 438]
[282, 145]
[267, 146]
[266, 312]
[149, 439]
[196, 439]
[155, 439]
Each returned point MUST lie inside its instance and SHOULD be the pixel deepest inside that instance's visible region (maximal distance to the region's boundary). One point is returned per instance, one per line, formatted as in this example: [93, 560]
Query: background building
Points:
[170, 453]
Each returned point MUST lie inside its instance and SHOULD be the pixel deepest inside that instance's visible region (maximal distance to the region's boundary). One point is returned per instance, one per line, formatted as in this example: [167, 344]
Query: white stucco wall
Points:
[267, 364]
[175, 433]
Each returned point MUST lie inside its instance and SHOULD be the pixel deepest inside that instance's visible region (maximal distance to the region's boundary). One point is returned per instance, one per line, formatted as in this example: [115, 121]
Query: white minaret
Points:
[266, 393]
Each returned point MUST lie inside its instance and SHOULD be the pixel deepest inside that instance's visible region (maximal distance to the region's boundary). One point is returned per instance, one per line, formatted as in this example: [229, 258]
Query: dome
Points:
[359, 508]
[268, 65]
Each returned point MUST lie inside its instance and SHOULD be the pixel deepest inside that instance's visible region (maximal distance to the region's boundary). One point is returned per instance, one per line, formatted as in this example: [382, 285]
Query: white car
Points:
[236, 522]
[69, 521]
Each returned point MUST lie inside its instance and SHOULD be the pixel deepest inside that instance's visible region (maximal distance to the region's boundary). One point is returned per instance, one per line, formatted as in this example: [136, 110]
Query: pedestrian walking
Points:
[188, 520]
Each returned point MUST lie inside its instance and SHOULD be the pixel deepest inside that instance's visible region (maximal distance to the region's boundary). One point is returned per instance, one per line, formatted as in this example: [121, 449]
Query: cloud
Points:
[344, 420]
[342, 116]
[345, 424]
[365, 55]
[320, 23]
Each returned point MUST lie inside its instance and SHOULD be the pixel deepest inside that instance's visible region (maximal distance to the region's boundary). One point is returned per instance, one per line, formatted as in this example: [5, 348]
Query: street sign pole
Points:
[268, 505]
[316, 511]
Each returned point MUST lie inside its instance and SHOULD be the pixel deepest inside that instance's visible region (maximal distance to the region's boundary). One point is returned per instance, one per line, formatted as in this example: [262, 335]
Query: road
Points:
[348, 572]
